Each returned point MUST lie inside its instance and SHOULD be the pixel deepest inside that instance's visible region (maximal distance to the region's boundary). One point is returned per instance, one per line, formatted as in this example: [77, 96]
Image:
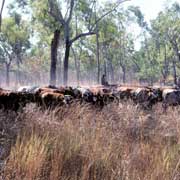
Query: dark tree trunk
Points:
[78, 71]
[77, 65]
[97, 54]
[165, 72]
[77, 62]
[7, 74]
[105, 57]
[91, 72]
[18, 74]
[174, 72]
[124, 74]
[97, 49]
[66, 62]
[111, 71]
[54, 48]
[59, 71]
[105, 68]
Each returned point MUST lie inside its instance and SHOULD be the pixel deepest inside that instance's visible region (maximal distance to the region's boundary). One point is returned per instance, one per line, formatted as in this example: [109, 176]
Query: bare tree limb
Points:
[81, 35]
[109, 12]
[71, 10]
[2, 6]
[66, 14]
[55, 12]
[56, 18]
[90, 17]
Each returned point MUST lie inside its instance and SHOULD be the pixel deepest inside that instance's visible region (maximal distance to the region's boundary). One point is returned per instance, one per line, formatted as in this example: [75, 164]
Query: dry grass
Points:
[85, 143]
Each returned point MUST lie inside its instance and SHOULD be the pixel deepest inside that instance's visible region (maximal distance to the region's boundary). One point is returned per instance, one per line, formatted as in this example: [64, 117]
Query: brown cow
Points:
[51, 99]
[86, 94]
[146, 97]
[9, 100]
[141, 95]
[103, 95]
[124, 92]
[47, 89]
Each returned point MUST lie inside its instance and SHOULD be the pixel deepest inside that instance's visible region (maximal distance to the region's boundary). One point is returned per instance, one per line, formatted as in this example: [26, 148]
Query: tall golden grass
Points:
[82, 142]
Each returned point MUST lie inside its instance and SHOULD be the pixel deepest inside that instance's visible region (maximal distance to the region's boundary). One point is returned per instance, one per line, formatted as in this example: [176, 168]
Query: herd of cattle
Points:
[49, 97]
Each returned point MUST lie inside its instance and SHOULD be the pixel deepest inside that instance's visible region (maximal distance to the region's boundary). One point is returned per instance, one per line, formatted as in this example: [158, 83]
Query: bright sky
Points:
[150, 9]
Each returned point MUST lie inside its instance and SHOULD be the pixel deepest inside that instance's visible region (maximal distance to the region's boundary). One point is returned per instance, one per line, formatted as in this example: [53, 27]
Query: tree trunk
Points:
[105, 67]
[59, 70]
[78, 71]
[91, 71]
[105, 57]
[18, 74]
[77, 65]
[165, 72]
[174, 72]
[97, 54]
[97, 48]
[111, 70]
[76, 60]
[7, 74]
[124, 74]
[54, 48]
[66, 62]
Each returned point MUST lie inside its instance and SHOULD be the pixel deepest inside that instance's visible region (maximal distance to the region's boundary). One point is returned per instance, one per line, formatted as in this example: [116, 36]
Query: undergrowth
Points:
[82, 142]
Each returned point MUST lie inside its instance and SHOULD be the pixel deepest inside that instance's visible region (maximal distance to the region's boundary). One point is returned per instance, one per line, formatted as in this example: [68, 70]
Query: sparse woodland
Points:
[75, 42]
[65, 125]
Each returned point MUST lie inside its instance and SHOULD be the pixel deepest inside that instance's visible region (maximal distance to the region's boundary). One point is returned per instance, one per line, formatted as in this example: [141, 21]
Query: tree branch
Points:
[55, 12]
[2, 6]
[8, 54]
[71, 10]
[56, 18]
[136, 64]
[81, 35]
[109, 12]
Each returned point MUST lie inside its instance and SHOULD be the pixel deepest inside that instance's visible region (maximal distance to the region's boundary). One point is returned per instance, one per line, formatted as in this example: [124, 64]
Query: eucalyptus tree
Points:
[6, 56]
[162, 45]
[109, 8]
[55, 12]
[59, 16]
[165, 29]
[173, 31]
[145, 31]
[14, 40]
[64, 20]
[107, 35]
[44, 25]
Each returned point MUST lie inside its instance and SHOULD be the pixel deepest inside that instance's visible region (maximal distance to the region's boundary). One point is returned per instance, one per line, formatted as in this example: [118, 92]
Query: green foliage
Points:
[15, 32]
[31, 35]
[40, 14]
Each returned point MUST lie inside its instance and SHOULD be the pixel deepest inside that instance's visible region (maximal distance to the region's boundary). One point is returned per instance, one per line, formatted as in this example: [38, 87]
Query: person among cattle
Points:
[104, 81]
